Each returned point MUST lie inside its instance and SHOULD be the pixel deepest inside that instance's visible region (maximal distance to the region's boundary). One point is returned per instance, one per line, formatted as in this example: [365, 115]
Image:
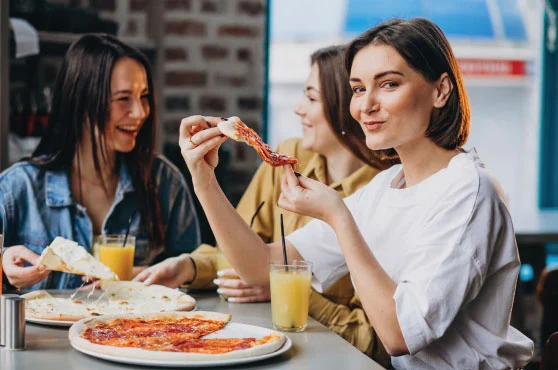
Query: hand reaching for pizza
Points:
[171, 272]
[19, 276]
[236, 290]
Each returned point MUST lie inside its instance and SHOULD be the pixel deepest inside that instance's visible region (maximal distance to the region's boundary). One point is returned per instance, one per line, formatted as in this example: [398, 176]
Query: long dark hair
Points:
[425, 48]
[81, 94]
[336, 95]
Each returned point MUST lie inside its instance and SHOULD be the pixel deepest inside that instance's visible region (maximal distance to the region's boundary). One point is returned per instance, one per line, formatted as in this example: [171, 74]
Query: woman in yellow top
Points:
[332, 151]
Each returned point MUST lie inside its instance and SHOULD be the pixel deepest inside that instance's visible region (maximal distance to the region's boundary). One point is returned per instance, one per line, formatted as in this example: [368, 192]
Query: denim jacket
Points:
[39, 206]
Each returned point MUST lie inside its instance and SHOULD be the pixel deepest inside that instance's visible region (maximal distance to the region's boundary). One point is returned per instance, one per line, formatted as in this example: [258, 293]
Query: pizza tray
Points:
[230, 330]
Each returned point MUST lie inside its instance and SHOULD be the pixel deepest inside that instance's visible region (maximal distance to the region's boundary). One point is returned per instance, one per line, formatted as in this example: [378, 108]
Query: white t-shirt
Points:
[449, 245]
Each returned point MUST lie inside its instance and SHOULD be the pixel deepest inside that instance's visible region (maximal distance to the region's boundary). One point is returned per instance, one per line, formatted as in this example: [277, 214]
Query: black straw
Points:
[128, 230]
[256, 213]
[284, 245]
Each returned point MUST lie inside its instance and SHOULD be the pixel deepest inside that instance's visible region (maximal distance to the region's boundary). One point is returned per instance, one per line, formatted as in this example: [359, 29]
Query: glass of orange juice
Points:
[290, 294]
[118, 257]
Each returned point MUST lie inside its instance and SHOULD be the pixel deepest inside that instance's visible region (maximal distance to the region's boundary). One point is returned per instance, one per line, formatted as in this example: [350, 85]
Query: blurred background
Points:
[250, 58]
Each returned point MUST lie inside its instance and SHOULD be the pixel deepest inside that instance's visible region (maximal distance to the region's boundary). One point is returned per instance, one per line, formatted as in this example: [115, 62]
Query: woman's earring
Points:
[343, 133]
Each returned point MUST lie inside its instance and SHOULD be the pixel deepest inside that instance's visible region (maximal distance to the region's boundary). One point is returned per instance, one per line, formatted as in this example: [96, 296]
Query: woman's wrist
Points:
[339, 219]
[207, 186]
[189, 269]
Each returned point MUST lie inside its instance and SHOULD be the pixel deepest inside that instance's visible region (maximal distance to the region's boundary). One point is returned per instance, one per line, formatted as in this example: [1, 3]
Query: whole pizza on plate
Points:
[118, 297]
[173, 336]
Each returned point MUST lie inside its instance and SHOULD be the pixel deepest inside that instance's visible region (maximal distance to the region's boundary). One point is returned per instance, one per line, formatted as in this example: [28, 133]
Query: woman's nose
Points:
[370, 104]
[299, 111]
[138, 110]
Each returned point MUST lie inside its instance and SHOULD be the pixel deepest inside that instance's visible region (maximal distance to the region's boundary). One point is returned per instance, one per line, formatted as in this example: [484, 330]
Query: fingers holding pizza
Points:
[19, 275]
[199, 142]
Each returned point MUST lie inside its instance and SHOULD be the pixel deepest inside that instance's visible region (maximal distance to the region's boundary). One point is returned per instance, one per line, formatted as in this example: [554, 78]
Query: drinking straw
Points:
[128, 229]
[284, 245]
[256, 213]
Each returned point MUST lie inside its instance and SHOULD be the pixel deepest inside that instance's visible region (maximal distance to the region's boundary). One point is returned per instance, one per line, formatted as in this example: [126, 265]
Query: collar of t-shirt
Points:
[403, 195]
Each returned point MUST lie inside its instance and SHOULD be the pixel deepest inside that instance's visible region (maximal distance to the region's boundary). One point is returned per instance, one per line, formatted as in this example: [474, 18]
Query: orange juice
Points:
[118, 258]
[290, 295]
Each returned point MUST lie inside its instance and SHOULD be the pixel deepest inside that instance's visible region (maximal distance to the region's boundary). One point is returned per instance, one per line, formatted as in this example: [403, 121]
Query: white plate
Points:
[230, 330]
[49, 322]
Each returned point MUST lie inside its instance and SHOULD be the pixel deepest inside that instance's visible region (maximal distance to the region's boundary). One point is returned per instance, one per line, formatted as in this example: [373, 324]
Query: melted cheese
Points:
[228, 128]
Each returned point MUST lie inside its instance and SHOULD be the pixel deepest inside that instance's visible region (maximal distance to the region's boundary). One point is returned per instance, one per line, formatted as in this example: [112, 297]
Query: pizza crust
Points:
[278, 339]
[121, 298]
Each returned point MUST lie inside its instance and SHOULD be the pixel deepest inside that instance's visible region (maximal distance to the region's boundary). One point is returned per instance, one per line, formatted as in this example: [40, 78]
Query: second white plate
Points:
[50, 322]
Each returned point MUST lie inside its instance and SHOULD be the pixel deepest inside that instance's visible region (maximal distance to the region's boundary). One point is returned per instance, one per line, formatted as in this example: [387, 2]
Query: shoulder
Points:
[293, 147]
[165, 171]
[468, 174]
[19, 173]
[470, 194]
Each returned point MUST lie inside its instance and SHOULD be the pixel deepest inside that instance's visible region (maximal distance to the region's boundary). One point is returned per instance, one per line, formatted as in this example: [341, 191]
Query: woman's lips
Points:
[127, 132]
[373, 125]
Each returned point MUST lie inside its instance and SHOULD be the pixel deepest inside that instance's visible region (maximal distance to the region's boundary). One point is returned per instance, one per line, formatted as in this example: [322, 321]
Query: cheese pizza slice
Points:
[67, 256]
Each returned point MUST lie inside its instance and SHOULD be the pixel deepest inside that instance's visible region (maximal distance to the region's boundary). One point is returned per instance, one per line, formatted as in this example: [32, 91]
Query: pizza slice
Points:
[67, 256]
[237, 130]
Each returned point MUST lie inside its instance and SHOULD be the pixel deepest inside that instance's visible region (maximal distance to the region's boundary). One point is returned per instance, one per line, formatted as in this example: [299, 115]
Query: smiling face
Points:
[318, 135]
[129, 104]
[392, 102]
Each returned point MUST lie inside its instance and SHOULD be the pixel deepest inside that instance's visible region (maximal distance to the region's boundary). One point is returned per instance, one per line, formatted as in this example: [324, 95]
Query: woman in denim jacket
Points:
[94, 168]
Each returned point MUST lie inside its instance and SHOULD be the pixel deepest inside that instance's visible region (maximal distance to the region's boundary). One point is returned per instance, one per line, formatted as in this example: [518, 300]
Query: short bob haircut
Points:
[425, 48]
[336, 95]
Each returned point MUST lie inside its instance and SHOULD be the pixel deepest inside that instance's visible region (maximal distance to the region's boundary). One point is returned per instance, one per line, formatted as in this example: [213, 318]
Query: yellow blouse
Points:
[338, 308]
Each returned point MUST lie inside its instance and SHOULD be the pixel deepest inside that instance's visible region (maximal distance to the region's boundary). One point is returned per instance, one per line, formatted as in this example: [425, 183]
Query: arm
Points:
[204, 258]
[243, 248]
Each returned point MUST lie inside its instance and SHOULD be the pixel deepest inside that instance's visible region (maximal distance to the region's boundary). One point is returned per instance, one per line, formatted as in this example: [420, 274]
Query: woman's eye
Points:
[310, 98]
[146, 96]
[123, 98]
[358, 89]
[390, 84]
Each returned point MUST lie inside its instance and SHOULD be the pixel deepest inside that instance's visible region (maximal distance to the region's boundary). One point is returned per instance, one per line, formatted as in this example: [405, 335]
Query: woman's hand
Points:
[19, 276]
[307, 197]
[237, 291]
[171, 272]
[200, 140]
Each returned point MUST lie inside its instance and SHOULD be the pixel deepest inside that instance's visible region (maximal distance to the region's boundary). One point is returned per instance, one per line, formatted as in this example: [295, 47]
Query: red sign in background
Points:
[491, 67]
